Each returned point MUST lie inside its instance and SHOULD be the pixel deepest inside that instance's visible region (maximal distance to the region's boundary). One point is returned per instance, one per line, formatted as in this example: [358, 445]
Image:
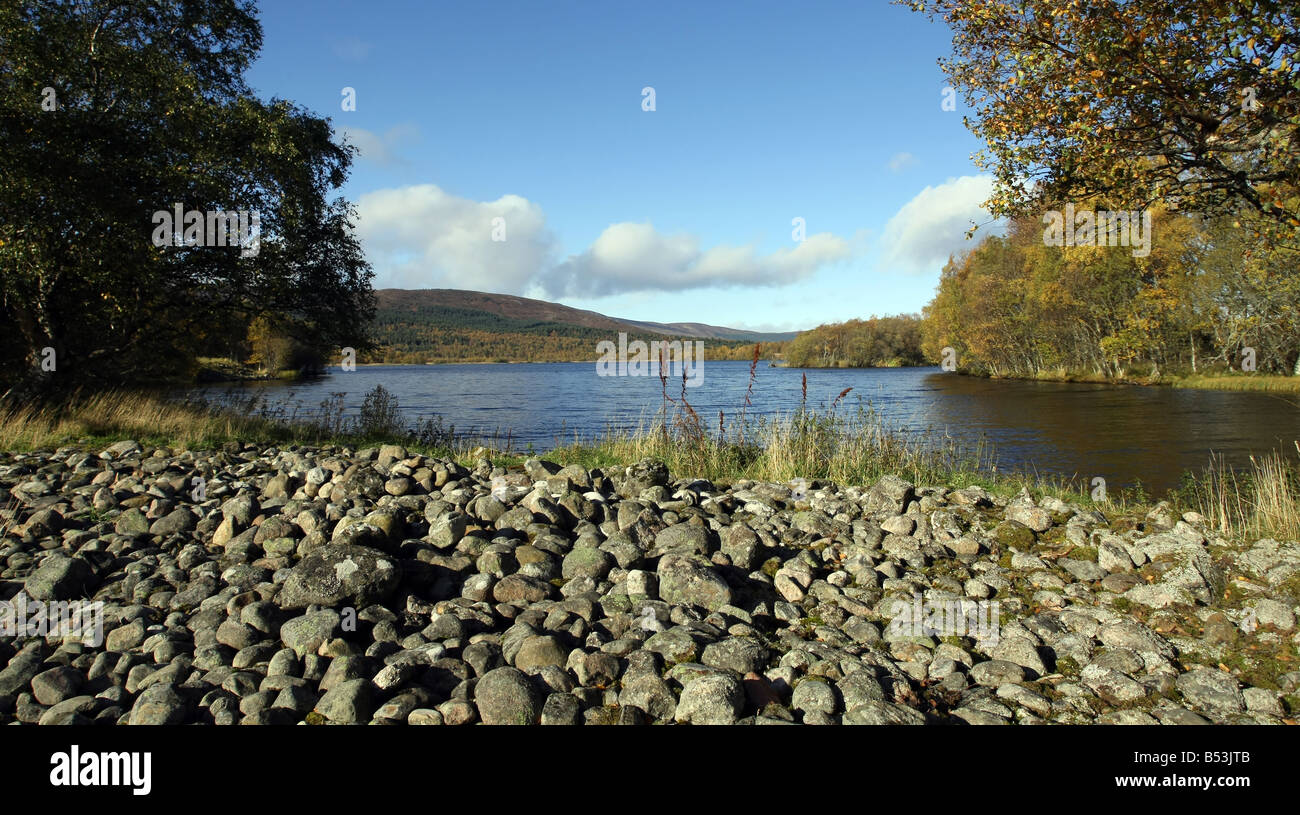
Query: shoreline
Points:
[529, 594]
[1262, 383]
[863, 447]
[1227, 382]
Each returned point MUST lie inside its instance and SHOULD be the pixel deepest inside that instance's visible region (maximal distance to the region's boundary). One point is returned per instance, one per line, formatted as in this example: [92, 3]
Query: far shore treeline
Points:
[1210, 297]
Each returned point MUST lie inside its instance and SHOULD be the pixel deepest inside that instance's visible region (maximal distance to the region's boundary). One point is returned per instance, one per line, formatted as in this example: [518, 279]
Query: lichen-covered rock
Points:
[506, 696]
[690, 580]
[338, 574]
[57, 578]
[712, 698]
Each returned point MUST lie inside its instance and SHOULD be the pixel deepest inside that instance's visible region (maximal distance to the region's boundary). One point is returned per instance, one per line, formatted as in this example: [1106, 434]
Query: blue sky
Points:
[532, 113]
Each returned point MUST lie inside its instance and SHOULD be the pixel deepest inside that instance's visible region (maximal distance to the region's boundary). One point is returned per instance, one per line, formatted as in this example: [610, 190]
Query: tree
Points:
[1189, 102]
[879, 342]
[1013, 306]
[113, 112]
[269, 349]
[1248, 297]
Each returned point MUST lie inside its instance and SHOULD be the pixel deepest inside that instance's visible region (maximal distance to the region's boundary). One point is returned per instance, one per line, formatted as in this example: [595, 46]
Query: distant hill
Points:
[484, 306]
[714, 332]
[453, 325]
[540, 311]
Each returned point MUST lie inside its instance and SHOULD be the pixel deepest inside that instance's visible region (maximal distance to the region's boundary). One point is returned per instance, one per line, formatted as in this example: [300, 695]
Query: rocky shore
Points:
[255, 585]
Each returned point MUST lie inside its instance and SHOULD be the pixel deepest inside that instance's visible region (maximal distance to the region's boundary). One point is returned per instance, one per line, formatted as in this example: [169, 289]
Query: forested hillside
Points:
[412, 330]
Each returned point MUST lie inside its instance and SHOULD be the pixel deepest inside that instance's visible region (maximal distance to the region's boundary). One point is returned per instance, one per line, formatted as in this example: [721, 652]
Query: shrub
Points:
[380, 415]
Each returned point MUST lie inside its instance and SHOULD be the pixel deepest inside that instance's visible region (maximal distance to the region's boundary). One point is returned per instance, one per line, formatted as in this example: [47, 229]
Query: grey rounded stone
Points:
[683, 539]
[1275, 613]
[57, 684]
[338, 574]
[159, 704]
[305, 634]
[712, 698]
[740, 654]
[73, 711]
[814, 695]
[875, 712]
[996, 672]
[1036, 518]
[57, 578]
[1207, 689]
[537, 652]
[561, 708]
[587, 562]
[505, 696]
[691, 580]
[518, 589]
[348, 702]
[125, 637]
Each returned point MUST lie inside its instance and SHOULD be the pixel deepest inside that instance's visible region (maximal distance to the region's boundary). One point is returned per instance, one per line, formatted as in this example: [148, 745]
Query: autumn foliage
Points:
[1186, 103]
[1015, 307]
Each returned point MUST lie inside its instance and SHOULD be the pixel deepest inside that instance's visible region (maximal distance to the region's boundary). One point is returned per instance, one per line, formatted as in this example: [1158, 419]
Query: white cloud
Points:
[933, 225]
[424, 237]
[380, 149]
[901, 161]
[634, 257]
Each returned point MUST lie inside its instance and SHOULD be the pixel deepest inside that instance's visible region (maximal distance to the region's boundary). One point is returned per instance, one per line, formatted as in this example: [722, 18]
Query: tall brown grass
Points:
[122, 414]
[1271, 383]
[849, 446]
[196, 422]
[1262, 501]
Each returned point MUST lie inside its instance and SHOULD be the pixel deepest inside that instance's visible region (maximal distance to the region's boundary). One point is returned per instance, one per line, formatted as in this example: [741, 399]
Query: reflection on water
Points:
[1120, 433]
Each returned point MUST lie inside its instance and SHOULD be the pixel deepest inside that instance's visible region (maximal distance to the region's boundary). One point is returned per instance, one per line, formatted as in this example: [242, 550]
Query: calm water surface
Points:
[1121, 433]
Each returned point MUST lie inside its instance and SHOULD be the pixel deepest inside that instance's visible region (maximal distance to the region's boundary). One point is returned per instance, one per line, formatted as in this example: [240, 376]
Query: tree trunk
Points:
[1296, 372]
